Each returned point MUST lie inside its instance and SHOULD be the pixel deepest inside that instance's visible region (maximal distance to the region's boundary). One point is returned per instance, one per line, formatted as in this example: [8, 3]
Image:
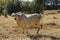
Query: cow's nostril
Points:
[35, 24]
[14, 18]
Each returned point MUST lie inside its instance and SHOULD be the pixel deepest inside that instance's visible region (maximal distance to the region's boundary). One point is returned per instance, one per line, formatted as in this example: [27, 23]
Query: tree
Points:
[38, 7]
[17, 6]
[12, 7]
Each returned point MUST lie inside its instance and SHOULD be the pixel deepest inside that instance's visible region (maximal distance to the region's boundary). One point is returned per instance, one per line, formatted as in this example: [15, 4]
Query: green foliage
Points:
[38, 7]
[4, 11]
[17, 6]
[10, 7]
[25, 7]
[13, 6]
[1, 9]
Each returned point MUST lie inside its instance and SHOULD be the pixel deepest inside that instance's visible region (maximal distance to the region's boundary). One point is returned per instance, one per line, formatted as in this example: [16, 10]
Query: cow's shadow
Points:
[38, 36]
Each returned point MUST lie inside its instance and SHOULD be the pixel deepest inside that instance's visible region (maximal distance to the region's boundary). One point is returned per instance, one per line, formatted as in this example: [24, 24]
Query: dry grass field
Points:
[9, 29]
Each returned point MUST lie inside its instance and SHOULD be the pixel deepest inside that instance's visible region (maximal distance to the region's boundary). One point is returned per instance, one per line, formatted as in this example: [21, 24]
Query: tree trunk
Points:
[6, 15]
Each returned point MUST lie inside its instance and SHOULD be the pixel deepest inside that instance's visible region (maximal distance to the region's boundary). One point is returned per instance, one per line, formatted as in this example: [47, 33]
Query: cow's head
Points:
[19, 16]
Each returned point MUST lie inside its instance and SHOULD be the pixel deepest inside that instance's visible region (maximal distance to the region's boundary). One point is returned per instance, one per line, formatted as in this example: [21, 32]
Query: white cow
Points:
[26, 21]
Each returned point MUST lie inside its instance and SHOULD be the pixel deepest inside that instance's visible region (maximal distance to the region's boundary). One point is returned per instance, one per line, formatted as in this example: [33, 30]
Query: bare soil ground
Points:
[9, 29]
